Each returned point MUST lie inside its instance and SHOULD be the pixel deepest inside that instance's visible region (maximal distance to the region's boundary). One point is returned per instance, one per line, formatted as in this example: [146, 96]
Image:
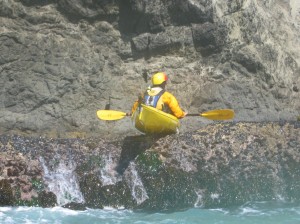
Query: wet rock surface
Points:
[219, 165]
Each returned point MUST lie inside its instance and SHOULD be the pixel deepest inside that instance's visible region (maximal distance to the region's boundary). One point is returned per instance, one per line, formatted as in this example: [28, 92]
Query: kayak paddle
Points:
[222, 114]
[110, 115]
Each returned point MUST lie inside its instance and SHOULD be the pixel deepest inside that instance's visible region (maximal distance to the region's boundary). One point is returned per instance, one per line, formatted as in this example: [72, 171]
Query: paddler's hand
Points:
[185, 112]
[129, 114]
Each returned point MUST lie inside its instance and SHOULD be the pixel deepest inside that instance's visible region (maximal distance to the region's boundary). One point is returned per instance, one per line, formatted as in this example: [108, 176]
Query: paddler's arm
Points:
[172, 102]
[136, 103]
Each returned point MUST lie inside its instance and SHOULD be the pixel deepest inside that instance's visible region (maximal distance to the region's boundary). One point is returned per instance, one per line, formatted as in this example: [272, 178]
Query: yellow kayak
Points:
[150, 120]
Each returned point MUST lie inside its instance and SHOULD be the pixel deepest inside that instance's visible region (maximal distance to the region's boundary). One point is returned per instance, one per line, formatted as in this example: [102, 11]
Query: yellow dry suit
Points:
[159, 98]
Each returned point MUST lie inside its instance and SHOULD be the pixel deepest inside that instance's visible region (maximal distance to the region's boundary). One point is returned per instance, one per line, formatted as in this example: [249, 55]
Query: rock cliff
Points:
[61, 60]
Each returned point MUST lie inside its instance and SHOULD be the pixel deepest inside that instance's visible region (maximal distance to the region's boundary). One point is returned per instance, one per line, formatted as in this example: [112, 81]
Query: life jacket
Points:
[152, 96]
[162, 100]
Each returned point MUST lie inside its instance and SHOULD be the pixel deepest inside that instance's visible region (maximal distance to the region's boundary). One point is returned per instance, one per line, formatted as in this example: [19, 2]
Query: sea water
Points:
[255, 212]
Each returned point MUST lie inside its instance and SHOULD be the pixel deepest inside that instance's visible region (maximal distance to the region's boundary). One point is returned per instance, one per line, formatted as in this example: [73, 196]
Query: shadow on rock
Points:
[133, 146]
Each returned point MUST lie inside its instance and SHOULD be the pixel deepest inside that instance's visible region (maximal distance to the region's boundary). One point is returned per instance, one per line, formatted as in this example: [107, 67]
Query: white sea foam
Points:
[62, 181]
[135, 184]
[248, 210]
[199, 200]
[107, 208]
[5, 209]
[64, 211]
[214, 196]
[23, 208]
[8, 220]
[108, 174]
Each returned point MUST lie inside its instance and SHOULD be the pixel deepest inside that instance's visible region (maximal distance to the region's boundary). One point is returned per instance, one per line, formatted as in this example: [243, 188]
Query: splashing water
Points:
[135, 184]
[62, 181]
[199, 201]
[108, 174]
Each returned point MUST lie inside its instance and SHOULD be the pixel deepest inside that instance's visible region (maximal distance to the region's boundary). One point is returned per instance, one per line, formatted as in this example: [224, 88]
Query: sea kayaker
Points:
[156, 96]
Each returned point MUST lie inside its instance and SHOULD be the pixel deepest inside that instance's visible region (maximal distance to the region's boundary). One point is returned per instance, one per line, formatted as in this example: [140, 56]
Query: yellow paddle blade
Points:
[223, 114]
[110, 115]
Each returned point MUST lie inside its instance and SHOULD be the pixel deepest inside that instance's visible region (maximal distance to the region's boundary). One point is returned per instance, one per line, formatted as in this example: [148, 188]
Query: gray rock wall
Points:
[61, 60]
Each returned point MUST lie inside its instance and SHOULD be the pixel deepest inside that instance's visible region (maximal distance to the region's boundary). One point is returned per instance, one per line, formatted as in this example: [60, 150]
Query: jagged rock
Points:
[6, 193]
[167, 188]
[81, 9]
[209, 38]
[75, 206]
[12, 172]
[219, 165]
[47, 199]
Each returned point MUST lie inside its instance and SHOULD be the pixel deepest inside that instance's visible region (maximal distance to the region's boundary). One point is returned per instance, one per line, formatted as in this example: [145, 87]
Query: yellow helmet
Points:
[159, 78]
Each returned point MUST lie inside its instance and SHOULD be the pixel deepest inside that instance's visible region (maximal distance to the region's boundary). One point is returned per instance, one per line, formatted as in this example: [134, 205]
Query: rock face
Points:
[219, 165]
[63, 60]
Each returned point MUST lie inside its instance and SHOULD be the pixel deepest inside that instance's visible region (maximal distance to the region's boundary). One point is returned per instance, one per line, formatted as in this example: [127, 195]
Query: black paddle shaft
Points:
[193, 115]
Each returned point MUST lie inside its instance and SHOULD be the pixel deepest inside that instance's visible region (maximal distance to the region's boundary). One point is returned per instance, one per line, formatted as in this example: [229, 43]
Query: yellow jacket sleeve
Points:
[135, 105]
[170, 100]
